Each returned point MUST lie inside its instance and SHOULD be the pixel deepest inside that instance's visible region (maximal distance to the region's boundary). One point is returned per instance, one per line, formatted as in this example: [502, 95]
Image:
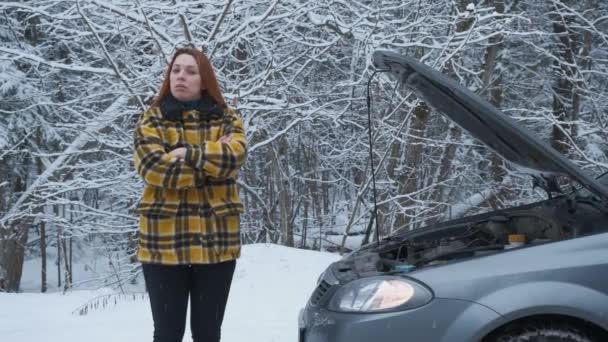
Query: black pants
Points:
[169, 287]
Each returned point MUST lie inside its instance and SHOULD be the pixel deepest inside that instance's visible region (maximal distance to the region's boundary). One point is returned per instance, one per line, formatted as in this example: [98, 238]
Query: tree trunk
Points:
[14, 235]
[12, 253]
[284, 208]
[43, 283]
[317, 212]
[446, 163]
[285, 236]
[59, 257]
[42, 209]
[492, 86]
[272, 176]
[564, 90]
[305, 222]
[12, 248]
[67, 272]
[454, 136]
[409, 179]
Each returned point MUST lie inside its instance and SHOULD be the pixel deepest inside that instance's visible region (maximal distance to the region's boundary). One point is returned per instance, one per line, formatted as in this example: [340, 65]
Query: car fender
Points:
[538, 298]
[472, 324]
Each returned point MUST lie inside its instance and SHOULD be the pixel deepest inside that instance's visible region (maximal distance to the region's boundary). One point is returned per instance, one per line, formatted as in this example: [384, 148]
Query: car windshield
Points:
[603, 179]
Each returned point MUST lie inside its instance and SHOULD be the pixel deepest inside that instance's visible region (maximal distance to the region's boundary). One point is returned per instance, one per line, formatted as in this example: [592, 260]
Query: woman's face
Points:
[185, 79]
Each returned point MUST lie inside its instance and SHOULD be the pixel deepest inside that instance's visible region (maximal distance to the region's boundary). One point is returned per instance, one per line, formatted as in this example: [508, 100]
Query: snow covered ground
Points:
[271, 283]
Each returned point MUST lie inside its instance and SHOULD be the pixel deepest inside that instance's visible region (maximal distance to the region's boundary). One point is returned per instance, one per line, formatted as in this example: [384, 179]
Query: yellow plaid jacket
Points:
[189, 210]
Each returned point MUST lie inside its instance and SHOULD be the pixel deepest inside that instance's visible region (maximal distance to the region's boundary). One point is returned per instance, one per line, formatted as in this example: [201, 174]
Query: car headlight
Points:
[380, 294]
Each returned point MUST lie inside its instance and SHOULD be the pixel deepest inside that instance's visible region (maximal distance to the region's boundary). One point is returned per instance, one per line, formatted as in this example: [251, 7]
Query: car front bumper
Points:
[441, 320]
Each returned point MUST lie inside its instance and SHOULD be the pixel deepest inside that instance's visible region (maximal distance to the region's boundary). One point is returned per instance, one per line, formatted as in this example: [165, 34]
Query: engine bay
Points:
[553, 220]
[495, 234]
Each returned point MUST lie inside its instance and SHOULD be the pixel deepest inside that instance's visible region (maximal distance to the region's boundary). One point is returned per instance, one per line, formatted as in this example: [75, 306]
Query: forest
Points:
[76, 75]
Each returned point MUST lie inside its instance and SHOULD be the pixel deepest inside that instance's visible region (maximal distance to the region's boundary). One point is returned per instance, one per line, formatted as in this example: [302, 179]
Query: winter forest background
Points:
[75, 75]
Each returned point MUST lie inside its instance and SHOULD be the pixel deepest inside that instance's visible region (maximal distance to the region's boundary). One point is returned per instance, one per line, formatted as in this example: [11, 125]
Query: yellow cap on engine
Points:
[517, 238]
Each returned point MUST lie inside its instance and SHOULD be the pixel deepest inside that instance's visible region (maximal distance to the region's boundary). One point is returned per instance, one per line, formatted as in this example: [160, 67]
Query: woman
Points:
[189, 147]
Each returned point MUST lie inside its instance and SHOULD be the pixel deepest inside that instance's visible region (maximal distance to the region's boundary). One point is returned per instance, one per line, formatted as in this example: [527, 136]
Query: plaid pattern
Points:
[189, 211]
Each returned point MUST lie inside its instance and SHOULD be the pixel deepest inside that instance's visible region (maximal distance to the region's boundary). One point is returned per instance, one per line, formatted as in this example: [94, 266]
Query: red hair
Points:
[208, 79]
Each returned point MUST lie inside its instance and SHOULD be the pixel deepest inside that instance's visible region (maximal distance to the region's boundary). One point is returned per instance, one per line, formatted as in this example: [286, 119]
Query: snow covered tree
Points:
[75, 75]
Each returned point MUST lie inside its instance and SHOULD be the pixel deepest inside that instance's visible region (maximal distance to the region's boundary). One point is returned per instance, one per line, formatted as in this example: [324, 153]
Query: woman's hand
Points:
[225, 139]
[179, 153]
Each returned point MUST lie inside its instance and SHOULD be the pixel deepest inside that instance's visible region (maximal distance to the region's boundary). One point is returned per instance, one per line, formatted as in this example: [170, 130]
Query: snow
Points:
[271, 284]
[316, 19]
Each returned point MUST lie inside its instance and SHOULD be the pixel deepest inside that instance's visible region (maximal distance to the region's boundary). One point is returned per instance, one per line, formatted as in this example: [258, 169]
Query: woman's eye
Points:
[175, 71]
[191, 72]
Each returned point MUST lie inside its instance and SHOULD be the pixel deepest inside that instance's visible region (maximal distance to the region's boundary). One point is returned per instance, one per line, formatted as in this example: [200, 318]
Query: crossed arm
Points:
[177, 169]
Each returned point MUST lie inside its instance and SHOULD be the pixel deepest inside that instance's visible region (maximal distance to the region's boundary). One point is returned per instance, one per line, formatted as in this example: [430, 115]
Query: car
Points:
[535, 272]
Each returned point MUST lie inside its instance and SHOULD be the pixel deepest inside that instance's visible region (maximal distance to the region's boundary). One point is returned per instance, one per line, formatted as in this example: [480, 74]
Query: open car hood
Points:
[482, 120]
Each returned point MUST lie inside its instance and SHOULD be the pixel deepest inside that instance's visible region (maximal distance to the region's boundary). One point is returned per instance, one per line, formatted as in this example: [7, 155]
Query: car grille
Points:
[320, 292]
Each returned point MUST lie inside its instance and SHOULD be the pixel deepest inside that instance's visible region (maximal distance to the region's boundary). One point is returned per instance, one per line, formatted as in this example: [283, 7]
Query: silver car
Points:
[537, 272]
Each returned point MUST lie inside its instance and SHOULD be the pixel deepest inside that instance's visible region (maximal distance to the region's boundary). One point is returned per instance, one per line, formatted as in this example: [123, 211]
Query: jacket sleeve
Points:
[152, 163]
[221, 160]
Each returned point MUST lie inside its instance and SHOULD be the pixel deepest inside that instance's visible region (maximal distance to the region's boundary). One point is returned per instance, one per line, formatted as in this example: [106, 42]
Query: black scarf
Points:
[208, 108]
